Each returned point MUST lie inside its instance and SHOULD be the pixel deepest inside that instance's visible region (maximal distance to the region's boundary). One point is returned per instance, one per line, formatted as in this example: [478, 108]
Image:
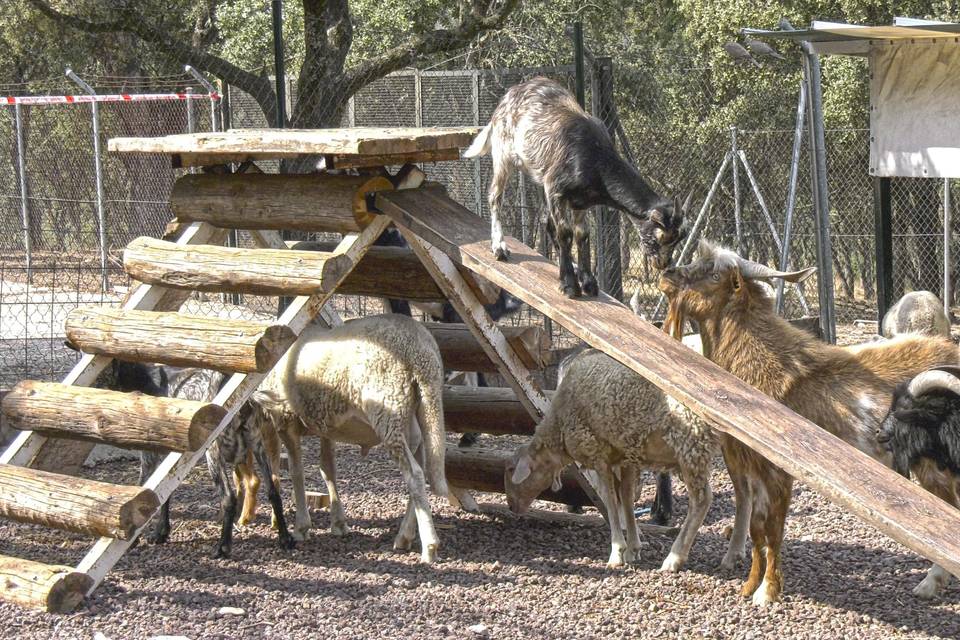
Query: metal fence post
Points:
[947, 224]
[792, 191]
[578, 62]
[477, 178]
[737, 222]
[417, 99]
[24, 193]
[818, 159]
[190, 125]
[98, 177]
[279, 64]
[211, 92]
[609, 267]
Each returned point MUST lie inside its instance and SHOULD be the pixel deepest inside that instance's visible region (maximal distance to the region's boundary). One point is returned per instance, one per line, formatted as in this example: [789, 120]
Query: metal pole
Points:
[947, 225]
[190, 125]
[98, 177]
[792, 192]
[698, 224]
[882, 212]
[524, 214]
[736, 193]
[278, 63]
[477, 178]
[818, 158]
[226, 118]
[24, 193]
[769, 219]
[211, 91]
[417, 98]
[578, 62]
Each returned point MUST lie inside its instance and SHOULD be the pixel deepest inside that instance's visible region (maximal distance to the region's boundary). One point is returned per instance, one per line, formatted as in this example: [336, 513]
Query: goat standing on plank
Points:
[539, 127]
[843, 390]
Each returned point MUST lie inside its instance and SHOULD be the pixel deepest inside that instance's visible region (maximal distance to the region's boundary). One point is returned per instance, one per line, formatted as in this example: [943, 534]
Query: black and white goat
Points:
[539, 127]
[922, 431]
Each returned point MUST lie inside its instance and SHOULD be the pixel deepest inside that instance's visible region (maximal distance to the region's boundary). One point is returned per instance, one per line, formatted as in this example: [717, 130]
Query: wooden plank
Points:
[178, 339]
[462, 352]
[74, 504]
[267, 272]
[312, 202]
[391, 159]
[893, 504]
[390, 272]
[50, 588]
[174, 468]
[492, 410]
[131, 420]
[482, 469]
[274, 143]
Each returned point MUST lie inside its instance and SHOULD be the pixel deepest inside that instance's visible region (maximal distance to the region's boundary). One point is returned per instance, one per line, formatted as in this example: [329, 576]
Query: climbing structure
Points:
[452, 246]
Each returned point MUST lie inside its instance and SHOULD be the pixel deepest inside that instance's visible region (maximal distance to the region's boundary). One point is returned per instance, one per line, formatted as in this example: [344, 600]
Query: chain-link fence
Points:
[740, 173]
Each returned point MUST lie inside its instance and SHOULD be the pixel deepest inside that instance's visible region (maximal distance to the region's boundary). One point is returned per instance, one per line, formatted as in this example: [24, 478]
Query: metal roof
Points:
[854, 39]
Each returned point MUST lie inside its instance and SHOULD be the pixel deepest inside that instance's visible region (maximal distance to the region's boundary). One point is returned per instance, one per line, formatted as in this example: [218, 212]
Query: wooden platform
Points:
[341, 148]
[897, 507]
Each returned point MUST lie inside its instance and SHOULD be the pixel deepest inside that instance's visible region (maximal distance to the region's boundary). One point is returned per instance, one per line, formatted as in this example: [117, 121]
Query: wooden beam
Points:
[130, 420]
[492, 410]
[178, 339]
[461, 351]
[388, 272]
[312, 202]
[897, 507]
[482, 469]
[501, 512]
[389, 160]
[74, 504]
[266, 272]
[48, 587]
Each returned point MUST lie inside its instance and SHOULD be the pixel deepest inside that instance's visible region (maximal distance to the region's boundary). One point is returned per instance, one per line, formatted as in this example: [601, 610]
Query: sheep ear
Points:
[557, 484]
[522, 472]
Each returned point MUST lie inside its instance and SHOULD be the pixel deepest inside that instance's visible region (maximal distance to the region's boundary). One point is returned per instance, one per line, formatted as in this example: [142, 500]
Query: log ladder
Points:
[452, 245]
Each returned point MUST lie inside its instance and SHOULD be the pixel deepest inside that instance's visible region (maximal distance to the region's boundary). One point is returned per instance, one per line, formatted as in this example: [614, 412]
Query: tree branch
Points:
[472, 23]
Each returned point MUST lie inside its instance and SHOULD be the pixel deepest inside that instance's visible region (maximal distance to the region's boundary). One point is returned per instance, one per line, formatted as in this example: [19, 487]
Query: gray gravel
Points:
[497, 578]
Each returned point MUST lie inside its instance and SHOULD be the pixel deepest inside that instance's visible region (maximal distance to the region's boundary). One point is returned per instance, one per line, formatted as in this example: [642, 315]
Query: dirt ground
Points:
[497, 577]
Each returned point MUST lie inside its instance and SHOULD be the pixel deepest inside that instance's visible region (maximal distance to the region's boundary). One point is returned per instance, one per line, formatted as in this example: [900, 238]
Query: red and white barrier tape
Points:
[118, 97]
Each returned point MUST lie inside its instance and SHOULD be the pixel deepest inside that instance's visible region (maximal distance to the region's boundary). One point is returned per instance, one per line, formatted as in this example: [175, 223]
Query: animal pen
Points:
[450, 244]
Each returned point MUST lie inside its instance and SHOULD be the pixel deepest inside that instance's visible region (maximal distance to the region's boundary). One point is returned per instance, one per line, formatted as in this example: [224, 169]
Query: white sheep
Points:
[376, 380]
[916, 312]
[610, 419]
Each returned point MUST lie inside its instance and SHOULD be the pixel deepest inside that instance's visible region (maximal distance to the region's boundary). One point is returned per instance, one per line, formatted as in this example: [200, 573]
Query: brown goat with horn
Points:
[846, 391]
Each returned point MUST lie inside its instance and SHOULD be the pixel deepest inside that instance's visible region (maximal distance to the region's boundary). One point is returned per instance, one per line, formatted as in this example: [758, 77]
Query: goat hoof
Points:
[925, 590]
[299, 536]
[339, 529]
[402, 544]
[501, 253]
[287, 542]
[158, 537]
[766, 594]
[570, 290]
[221, 552]
[590, 287]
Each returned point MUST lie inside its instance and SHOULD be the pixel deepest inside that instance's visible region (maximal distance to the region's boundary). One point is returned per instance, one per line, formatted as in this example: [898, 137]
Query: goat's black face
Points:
[910, 429]
[661, 232]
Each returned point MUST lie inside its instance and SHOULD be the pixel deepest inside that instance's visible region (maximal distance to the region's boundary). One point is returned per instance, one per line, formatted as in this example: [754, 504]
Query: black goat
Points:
[539, 127]
[922, 432]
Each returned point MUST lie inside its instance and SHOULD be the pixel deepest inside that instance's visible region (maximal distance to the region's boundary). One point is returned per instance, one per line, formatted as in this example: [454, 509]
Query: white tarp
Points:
[915, 109]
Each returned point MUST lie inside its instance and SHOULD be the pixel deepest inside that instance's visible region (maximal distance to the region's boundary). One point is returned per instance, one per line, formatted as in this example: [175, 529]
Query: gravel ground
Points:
[498, 577]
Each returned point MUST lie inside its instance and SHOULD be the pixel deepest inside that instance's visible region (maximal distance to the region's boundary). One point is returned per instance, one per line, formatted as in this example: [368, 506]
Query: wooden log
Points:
[384, 272]
[570, 519]
[179, 340]
[130, 420]
[492, 410]
[313, 202]
[897, 507]
[267, 272]
[461, 351]
[74, 504]
[482, 469]
[48, 587]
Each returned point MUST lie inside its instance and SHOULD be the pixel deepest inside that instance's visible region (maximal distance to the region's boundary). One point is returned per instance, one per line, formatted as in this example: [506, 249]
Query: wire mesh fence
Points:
[739, 172]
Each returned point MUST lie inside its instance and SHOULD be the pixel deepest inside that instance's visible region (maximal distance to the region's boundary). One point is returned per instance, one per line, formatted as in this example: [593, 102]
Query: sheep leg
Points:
[628, 488]
[328, 469]
[417, 486]
[606, 489]
[262, 460]
[228, 501]
[741, 519]
[581, 235]
[159, 531]
[498, 184]
[937, 577]
[302, 524]
[698, 487]
[408, 526]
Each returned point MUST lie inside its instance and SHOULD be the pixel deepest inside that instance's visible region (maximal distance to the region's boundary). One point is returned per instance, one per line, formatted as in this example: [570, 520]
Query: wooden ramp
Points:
[443, 231]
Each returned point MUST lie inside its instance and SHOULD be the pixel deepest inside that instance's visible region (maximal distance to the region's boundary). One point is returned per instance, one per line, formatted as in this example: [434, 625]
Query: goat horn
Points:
[933, 380]
[754, 271]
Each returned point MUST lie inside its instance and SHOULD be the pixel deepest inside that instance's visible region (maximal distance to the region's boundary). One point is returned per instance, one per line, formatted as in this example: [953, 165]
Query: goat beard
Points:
[673, 323]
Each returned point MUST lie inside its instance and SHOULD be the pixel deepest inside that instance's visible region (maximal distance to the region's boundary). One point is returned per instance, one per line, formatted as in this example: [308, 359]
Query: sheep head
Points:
[532, 469]
[719, 278]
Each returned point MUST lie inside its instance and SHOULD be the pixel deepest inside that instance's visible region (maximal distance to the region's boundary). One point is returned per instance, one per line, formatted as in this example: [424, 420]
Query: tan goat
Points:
[846, 391]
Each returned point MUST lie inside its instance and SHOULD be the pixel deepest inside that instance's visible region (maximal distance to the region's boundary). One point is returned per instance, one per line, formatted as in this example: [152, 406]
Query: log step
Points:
[233, 346]
[48, 587]
[461, 351]
[268, 272]
[492, 410]
[129, 420]
[74, 504]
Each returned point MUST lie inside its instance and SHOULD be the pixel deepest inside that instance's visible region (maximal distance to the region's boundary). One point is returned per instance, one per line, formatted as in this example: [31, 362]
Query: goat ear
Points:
[522, 472]
[557, 484]
[656, 216]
